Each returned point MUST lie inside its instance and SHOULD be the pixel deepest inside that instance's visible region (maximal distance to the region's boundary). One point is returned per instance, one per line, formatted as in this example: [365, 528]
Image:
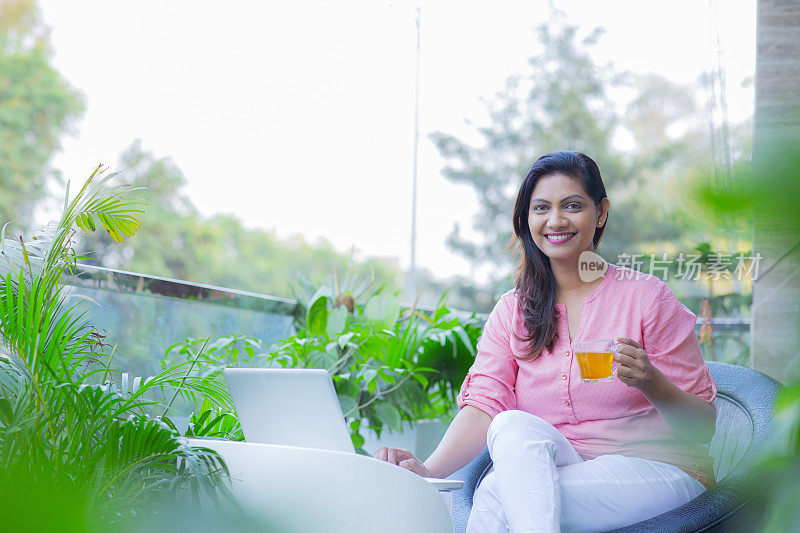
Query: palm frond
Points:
[109, 205]
[60, 414]
[140, 452]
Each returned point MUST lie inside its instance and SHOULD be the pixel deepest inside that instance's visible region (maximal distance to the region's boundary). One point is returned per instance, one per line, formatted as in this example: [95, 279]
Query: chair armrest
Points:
[322, 490]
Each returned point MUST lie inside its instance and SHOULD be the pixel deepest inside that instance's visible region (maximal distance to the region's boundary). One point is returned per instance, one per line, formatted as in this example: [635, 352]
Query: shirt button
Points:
[564, 376]
[566, 354]
[566, 403]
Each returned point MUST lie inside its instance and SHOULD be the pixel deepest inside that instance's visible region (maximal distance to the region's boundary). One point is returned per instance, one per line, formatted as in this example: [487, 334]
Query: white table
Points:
[320, 490]
[445, 488]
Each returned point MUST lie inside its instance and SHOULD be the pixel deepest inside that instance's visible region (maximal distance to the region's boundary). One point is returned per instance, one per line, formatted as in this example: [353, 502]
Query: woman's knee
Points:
[515, 426]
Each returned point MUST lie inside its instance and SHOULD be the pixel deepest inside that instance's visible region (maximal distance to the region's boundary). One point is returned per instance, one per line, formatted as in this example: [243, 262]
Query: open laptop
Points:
[294, 407]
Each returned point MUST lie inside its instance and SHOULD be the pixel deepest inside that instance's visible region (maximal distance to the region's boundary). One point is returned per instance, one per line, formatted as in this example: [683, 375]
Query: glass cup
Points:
[596, 359]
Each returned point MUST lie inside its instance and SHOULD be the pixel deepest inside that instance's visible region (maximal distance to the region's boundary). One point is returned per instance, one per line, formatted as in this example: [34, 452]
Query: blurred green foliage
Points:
[767, 194]
[37, 106]
[54, 503]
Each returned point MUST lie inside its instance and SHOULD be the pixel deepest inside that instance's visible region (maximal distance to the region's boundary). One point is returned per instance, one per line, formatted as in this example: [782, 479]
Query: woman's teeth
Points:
[560, 238]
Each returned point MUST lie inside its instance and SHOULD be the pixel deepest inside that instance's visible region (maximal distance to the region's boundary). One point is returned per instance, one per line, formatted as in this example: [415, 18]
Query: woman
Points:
[569, 455]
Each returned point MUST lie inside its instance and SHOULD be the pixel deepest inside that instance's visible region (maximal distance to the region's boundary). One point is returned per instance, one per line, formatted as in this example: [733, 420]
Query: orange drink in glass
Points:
[596, 359]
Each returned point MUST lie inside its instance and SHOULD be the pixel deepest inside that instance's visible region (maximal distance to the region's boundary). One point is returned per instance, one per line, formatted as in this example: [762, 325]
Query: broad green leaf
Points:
[320, 359]
[462, 334]
[348, 404]
[388, 414]
[346, 387]
[382, 311]
[368, 373]
[337, 321]
[358, 440]
[388, 377]
[317, 316]
[344, 339]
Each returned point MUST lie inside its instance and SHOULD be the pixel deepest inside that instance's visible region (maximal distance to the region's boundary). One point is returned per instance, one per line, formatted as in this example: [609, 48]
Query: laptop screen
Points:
[289, 406]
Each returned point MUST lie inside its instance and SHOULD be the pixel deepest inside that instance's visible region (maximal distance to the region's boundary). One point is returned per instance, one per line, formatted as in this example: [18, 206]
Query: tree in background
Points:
[37, 106]
[218, 250]
[563, 103]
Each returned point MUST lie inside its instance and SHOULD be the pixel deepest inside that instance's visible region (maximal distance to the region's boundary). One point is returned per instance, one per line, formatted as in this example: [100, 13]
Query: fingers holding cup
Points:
[635, 369]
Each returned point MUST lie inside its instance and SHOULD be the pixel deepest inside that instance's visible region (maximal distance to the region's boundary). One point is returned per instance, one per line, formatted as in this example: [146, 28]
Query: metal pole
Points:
[411, 277]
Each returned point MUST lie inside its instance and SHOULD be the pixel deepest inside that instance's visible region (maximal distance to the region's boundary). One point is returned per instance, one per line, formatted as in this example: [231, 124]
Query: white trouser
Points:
[539, 483]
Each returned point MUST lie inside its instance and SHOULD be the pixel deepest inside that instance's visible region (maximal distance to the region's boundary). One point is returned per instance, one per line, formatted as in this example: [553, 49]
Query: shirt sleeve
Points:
[489, 385]
[670, 341]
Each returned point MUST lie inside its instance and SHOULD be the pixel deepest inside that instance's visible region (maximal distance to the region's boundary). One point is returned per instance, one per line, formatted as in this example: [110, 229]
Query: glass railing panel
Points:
[141, 316]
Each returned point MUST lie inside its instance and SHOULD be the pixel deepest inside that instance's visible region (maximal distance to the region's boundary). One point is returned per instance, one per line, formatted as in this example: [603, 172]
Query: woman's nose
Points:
[556, 219]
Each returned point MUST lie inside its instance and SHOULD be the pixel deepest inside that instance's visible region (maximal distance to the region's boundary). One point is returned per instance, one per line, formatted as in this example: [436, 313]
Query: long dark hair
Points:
[536, 286]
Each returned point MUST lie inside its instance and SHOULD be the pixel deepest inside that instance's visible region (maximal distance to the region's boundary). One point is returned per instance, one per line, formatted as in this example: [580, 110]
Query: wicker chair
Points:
[745, 400]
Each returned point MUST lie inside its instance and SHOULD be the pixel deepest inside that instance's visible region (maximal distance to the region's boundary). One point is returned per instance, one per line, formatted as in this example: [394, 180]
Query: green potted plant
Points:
[391, 367]
[66, 426]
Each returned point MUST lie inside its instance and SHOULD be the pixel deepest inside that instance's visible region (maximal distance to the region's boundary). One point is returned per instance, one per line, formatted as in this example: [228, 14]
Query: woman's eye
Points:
[539, 207]
[573, 205]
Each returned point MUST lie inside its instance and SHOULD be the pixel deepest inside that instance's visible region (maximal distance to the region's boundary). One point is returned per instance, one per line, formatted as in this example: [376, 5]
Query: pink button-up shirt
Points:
[603, 417]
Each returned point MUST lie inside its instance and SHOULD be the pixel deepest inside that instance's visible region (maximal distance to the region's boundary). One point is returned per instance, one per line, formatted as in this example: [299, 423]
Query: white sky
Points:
[298, 115]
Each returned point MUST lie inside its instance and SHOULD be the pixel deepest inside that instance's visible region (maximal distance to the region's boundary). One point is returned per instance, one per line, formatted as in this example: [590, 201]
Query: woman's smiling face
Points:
[563, 218]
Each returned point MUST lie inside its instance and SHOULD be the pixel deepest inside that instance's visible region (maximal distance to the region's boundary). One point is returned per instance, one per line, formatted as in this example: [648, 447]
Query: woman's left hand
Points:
[635, 369]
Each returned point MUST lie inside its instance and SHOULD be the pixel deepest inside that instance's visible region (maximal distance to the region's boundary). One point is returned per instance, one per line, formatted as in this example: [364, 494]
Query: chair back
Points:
[744, 416]
[732, 437]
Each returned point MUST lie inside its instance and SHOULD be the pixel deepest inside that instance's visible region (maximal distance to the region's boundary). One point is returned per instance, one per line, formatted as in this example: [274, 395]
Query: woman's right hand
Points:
[402, 458]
